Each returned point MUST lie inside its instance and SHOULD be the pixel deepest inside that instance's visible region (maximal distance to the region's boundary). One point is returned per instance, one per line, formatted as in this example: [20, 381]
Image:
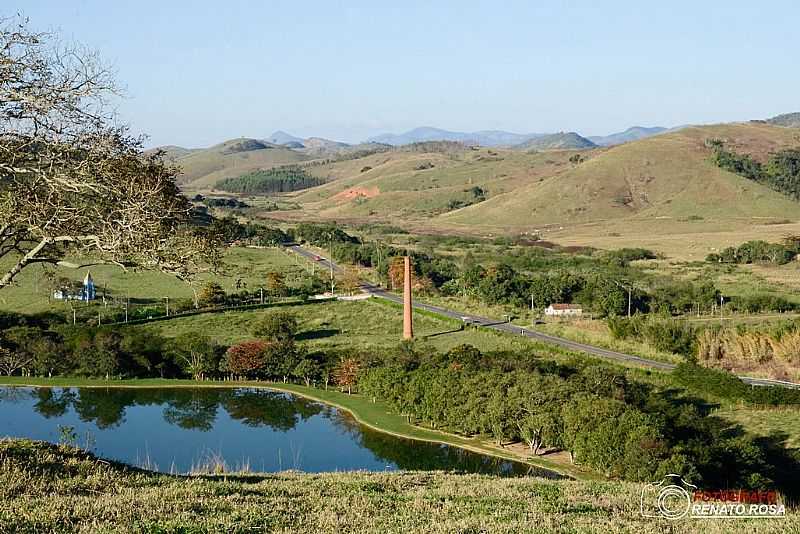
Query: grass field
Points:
[767, 421]
[31, 290]
[339, 324]
[57, 489]
[395, 184]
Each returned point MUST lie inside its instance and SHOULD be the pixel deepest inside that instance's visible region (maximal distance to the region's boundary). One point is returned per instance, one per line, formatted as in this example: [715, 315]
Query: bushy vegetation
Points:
[476, 195]
[757, 252]
[230, 230]
[603, 282]
[270, 181]
[604, 420]
[664, 334]
[124, 352]
[781, 172]
[726, 386]
[216, 202]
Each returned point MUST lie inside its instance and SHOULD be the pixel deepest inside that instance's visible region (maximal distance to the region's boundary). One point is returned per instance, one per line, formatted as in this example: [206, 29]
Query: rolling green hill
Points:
[202, 168]
[421, 184]
[557, 141]
[664, 177]
[670, 176]
[663, 192]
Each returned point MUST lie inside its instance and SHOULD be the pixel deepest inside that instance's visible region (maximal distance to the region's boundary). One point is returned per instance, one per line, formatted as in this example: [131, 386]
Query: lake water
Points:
[187, 429]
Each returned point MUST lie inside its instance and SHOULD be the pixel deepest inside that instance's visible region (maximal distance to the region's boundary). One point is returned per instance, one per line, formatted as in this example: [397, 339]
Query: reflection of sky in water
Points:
[264, 430]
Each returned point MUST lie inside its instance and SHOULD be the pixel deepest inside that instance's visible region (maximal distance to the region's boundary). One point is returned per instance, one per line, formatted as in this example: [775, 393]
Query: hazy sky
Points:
[204, 71]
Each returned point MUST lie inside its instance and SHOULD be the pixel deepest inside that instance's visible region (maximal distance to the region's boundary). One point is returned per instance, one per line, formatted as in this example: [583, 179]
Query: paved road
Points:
[503, 326]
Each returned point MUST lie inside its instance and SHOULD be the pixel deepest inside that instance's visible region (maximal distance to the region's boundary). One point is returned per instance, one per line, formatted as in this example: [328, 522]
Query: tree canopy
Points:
[72, 180]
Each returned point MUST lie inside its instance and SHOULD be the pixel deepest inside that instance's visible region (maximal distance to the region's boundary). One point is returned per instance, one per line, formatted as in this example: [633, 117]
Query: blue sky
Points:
[200, 72]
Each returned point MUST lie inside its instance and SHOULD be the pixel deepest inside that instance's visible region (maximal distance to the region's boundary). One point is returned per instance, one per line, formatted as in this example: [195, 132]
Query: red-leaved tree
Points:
[246, 358]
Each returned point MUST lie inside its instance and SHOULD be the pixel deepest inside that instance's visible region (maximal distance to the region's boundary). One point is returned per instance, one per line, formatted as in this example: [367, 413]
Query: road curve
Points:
[509, 328]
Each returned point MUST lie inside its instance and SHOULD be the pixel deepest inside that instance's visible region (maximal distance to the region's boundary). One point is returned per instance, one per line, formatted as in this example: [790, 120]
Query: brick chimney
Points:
[408, 328]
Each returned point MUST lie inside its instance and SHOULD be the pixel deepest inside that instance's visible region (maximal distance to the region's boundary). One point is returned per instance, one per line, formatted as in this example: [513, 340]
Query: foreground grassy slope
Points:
[56, 489]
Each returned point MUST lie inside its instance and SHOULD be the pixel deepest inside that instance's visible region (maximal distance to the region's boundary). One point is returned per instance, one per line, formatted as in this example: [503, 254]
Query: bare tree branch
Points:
[71, 181]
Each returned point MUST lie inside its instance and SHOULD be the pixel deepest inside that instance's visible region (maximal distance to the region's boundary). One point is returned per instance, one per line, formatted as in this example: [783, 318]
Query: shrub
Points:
[246, 358]
[725, 385]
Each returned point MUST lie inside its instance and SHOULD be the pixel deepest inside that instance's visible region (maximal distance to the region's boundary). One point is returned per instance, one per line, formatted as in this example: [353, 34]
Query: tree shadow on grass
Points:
[317, 334]
[436, 334]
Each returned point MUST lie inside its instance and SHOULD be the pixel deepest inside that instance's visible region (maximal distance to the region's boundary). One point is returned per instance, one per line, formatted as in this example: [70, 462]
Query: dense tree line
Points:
[346, 248]
[216, 202]
[132, 352]
[757, 251]
[270, 181]
[604, 420]
[781, 172]
[727, 386]
[230, 230]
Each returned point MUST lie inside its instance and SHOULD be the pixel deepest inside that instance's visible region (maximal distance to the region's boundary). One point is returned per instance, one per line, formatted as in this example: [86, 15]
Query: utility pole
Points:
[330, 260]
[629, 301]
[261, 290]
[408, 328]
[167, 307]
[380, 261]
[127, 305]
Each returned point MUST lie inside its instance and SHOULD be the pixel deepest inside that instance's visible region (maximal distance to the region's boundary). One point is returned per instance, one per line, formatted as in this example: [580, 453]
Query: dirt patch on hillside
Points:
[358, 192]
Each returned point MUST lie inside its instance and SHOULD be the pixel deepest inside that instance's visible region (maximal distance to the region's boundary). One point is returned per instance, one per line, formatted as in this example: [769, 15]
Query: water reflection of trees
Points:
[198, 409]
[413, 455]
[188, 408]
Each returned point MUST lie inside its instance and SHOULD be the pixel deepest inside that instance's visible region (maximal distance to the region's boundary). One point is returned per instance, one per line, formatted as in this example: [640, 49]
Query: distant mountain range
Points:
[634, 133]
[493, 138]
[789, 120]
[426, 133]
[282, 138]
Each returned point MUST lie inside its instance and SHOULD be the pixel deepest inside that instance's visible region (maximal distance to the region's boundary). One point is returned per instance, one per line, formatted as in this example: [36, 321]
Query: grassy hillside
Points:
[420, 185]
[558, 141]
[662, 178]
[49, 488]
[634, 133]
[203, 168]
[667, 181]
[31, 289]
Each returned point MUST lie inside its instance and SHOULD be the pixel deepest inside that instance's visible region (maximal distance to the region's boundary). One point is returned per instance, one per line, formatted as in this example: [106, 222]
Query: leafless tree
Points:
[11, 361]
[73, 181]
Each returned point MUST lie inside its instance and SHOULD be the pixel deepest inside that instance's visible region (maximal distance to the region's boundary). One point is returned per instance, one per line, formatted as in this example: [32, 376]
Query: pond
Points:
[185, 430]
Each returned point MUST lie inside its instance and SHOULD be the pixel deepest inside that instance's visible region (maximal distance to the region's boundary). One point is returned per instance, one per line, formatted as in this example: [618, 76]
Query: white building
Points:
[77, 291]
[563, 310]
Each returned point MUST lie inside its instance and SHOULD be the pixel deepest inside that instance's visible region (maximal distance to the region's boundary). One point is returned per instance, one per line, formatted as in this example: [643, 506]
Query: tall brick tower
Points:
[408, 328]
